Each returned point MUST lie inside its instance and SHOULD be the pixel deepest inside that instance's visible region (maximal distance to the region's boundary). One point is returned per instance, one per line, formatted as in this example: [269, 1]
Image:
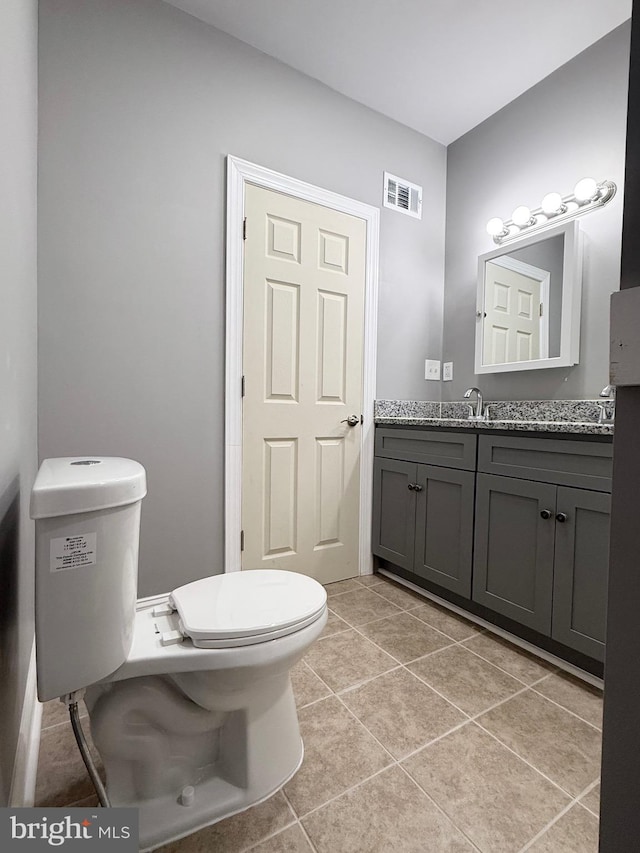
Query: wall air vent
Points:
[402, 195]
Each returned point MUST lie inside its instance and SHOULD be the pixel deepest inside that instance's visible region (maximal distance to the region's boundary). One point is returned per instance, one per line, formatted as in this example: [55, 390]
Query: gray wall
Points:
[139, 105]
[18, 105]
[569, 126]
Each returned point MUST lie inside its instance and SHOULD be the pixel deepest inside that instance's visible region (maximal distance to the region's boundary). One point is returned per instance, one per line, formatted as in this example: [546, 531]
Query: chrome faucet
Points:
[608, 408]
[478, 414]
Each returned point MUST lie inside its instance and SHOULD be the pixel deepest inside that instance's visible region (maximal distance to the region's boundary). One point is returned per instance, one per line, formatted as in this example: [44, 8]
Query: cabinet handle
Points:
[417, 488]
[411, 487]
[546, 514]
[561, 517]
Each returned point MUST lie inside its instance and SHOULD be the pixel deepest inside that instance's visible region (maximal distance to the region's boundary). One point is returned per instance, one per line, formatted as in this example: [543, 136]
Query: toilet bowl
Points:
[189, 694]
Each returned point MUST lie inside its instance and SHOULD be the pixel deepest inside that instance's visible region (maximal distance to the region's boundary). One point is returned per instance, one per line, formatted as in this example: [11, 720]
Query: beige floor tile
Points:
[334, 625]
[494, 797]
[362, 605]
[579, 697]
[307, 687]
[444, 620]
[466, 680]
[338, 753]
[575, 832]
[515, 661]
[404, 637]
[371, 580]
[62, 777]
[86, 803]
[561, 746]
[238, 832]
[387, 813]
[55, 712]
[291, 840]
[401, 711]
[398, 595]
[346, 659]
[339, 587]
[591, 800]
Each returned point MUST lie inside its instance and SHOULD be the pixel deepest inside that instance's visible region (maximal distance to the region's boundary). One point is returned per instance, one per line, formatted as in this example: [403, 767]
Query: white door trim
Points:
[240, 172]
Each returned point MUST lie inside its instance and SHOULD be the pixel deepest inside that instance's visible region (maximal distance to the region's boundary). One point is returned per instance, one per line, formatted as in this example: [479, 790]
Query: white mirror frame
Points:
[571, 300]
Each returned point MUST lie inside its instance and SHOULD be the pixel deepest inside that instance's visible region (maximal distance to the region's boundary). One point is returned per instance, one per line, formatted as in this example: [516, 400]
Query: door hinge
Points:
[242, 387]
[242, 540]
[244, 228]
[541, 309]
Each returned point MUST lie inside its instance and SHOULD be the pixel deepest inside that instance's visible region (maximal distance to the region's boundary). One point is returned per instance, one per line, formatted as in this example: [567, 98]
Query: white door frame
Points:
[240, 172]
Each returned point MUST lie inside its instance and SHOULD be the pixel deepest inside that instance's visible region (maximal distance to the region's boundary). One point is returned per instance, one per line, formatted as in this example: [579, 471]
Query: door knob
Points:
[561, 516]
[546, 513]
[352, 420]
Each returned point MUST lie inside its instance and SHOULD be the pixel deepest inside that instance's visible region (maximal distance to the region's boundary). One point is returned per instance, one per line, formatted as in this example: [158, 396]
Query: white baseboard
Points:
[507, 635]
[25, 768]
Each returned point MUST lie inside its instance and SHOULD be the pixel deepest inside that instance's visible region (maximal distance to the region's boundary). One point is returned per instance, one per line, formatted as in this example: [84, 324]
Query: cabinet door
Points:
[581, 570]
[394, 511]
[444, 527]
[513, 562]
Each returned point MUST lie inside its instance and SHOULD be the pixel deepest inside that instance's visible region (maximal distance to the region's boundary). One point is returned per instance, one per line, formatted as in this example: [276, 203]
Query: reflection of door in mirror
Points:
[528, 302]
[516, 316]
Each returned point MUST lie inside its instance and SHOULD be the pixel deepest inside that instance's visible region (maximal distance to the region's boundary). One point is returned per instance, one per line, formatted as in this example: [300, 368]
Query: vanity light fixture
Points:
[587, 195]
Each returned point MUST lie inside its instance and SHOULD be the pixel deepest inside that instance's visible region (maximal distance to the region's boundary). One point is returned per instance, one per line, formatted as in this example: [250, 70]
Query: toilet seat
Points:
[243, 608]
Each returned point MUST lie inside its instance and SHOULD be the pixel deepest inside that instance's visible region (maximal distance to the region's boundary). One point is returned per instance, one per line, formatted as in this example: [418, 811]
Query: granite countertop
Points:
[558, 416]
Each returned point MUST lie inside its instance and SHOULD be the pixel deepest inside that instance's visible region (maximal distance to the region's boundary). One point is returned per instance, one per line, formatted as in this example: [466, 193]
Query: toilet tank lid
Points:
[73, 484]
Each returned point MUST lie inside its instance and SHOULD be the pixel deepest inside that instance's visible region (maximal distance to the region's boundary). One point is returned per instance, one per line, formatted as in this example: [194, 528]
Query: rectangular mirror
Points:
[528, 307]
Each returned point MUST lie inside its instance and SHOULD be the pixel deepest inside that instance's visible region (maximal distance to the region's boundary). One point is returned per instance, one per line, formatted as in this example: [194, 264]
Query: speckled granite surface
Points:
[563, 416]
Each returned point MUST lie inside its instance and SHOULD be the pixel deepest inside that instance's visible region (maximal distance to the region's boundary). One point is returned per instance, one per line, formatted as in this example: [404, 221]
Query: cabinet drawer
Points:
[586, 465]
[432, 447]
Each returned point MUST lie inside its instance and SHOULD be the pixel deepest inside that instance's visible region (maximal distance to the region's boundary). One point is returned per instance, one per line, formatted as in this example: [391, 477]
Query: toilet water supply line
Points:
[71, 700]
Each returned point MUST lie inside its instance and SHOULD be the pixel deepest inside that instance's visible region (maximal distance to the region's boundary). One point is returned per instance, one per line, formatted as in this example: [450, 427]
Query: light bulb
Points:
[521, 215]
[513, 230]
[541, 219]
[495, 226]
[552, 203]
[572, 206]
[585, 190]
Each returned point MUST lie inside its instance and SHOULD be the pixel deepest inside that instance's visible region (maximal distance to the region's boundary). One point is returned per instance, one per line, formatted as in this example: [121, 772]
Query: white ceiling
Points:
[438, 66]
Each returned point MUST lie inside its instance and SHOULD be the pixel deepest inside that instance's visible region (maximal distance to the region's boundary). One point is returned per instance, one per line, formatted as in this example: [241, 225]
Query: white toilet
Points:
[189, 694]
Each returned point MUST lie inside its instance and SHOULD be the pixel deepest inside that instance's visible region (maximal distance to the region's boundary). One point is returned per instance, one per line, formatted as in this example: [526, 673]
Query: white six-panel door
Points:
[512, 321]
[304, 275]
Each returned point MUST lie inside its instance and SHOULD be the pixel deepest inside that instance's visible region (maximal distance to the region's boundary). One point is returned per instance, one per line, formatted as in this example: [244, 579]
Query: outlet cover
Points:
[431, 369]
[447, 371]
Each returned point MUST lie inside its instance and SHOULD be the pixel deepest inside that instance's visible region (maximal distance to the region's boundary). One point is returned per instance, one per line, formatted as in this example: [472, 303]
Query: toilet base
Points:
[185, 767]
[164, 820]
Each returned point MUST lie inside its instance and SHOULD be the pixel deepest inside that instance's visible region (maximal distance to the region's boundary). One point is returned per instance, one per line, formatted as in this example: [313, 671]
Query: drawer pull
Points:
[546, 514]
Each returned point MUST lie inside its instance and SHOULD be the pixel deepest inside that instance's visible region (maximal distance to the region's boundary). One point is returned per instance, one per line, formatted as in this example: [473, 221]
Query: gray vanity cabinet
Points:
[527, 536]
[514, 547]
[541, 546]
[394, 511]
[422, 513]
[581, 570]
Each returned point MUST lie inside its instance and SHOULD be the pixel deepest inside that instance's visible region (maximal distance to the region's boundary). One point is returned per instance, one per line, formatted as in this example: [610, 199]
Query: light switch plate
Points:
[431, 369]
[447, 371]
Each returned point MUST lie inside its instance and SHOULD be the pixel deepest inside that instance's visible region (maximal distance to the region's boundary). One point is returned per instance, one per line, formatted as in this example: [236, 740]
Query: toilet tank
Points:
[87, 514]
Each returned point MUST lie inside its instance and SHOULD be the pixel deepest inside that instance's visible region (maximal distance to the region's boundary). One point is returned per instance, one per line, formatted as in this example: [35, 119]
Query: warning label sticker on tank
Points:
[72, 552]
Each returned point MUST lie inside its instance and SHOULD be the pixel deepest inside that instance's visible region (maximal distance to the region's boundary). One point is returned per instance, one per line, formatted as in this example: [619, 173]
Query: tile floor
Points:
[422, 733]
